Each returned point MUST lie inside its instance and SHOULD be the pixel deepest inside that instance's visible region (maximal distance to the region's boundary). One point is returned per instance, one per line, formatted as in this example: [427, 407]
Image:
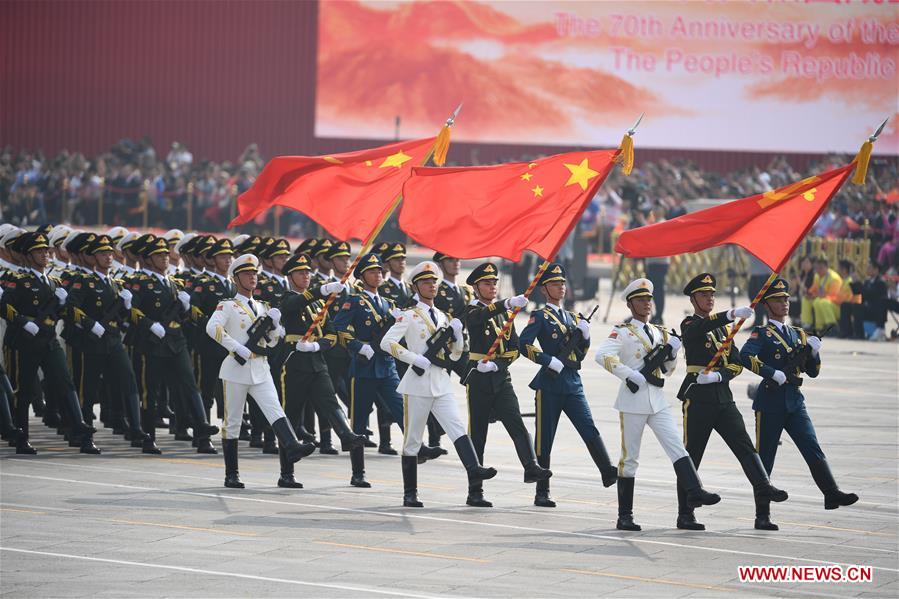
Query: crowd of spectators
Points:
[36, 189]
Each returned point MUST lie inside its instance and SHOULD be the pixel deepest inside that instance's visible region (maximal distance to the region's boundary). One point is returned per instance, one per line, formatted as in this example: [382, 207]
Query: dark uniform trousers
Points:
[710, 407]
[781, 408]
[492, 393]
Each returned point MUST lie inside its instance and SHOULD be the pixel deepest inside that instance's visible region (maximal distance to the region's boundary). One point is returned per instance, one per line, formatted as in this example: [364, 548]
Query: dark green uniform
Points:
[100, 312]
[491, 393]
[156, 302]
[31, 307]
[711, 407]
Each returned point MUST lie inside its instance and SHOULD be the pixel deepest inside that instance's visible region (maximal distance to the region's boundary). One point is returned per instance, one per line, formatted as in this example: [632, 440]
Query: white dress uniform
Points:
[431, 392]
[229, 325]
[622, 354]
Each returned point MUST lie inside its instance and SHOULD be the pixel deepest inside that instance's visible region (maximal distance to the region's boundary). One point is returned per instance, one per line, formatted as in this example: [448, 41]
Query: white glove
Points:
[98, 329]
[185, 299]
[395, 312]
[366, 351]
[741, 312]
[333, 287]
[584, 326]
[675, 344]
[556, 365]
[31, 328]
[456, 325]
[157, 329]
[422, 362]
[487, 366]
[275, 315]
[815, 344]
[61, 294]
[637, 378]
[308, 346]
[278, 332]
[243, 352]
[779, 377]
[126, 298]
[519, 301]
[708, 378]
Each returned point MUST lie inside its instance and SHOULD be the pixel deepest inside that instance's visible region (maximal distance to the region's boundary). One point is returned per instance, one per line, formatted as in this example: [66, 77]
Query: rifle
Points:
[573, 343]
[439, 341]
[799, 358]
[653, 360]
[261, 327]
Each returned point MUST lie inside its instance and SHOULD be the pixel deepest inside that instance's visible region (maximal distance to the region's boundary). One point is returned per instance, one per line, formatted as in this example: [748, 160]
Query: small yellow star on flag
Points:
[396, 160]
[532, 164]
[580, 174]
[368, 163]
[538, 192]
[333, 160]
[526, 177]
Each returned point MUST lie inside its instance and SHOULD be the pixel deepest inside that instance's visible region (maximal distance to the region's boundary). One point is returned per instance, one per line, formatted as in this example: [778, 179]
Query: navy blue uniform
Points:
[781, 408]
[555, 394]
[371, 380]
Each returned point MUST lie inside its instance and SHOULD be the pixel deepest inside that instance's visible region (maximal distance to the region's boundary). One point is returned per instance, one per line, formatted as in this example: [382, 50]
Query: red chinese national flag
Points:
[769, 225]
[474, 212]
[347, 194]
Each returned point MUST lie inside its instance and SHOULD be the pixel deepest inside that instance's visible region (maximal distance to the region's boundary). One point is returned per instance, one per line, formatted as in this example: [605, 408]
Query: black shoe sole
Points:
[361, 484]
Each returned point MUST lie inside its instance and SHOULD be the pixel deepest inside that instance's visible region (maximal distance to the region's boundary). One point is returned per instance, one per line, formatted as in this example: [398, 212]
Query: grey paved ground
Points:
[127, 525]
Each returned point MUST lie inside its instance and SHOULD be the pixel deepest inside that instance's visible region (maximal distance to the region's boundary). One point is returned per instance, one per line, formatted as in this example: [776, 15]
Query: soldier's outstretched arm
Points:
[694, 328]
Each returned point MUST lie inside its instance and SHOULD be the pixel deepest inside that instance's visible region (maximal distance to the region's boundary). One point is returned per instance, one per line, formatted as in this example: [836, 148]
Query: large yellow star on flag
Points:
[538, 192]
[396, 160]
[526, 177]
[580, 174]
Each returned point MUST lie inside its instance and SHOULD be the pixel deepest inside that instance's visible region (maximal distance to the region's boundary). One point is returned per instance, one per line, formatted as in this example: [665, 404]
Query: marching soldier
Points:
[558, 385]
[158, 311]
[173, 237]
[781, 354]
[319, 251]
[394, 288]
[489, 386]
[452, 299]
[373, 375]
[429, 392]
[304, 375]
[708, 403]
[623, 353]
[100, 306]
[206, 293]
[31, 304]
[270, 289]
[245, 371]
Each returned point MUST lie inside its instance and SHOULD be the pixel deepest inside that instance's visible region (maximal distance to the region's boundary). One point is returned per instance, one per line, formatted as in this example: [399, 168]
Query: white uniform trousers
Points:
[265, 395]
[632, 425]
[415, 411]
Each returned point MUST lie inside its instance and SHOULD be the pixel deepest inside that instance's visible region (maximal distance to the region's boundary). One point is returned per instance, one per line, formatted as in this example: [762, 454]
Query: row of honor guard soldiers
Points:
[165, 327]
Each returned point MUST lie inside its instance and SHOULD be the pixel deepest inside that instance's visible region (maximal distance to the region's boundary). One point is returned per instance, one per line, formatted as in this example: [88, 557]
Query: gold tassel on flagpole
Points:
[625, 155]
[862, 159]
[441, 146]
